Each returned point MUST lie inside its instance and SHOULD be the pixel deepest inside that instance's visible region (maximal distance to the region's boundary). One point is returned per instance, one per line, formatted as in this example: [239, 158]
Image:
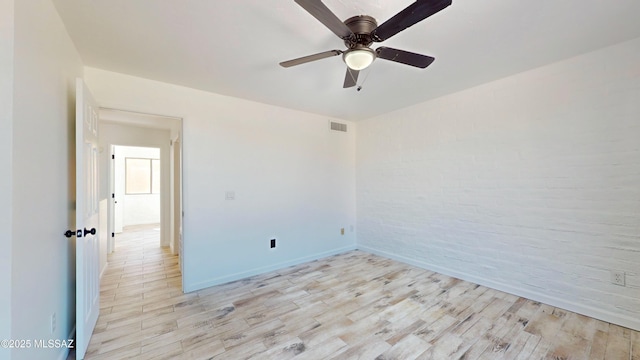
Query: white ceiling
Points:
[234, 47]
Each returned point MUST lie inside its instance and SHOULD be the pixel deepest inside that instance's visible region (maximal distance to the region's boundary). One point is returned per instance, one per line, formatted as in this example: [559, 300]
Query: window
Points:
[142, 176]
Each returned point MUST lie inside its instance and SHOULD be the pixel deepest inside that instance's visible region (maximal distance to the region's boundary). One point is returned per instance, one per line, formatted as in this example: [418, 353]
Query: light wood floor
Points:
[350, 306]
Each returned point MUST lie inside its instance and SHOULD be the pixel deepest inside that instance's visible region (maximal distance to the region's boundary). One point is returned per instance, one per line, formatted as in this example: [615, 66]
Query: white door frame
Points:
[111, 204]
[176, 196]
[174, 124]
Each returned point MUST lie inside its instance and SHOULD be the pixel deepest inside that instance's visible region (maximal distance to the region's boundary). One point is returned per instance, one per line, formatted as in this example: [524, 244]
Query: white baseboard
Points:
[565, 304]
[245, 274]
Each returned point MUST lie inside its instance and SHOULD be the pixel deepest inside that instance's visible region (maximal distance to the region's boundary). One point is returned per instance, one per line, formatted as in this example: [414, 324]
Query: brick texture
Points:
[530, 184]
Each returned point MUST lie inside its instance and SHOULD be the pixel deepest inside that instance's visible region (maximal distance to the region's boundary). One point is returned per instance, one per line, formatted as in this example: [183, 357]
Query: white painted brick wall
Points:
[529, 184]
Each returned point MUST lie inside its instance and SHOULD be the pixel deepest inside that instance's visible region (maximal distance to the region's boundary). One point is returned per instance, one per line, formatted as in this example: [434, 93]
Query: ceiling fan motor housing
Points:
[359, 32]
[361, 26]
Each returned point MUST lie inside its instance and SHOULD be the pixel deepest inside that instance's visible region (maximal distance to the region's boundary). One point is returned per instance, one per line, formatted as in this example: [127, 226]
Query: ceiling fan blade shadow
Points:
[321, 12]
[411, 15]
[404, 57]
[351, 78]
[310, 58]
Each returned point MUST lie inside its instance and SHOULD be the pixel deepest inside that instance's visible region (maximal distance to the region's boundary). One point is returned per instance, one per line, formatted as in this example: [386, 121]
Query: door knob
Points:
[70, 233]
[92, 231]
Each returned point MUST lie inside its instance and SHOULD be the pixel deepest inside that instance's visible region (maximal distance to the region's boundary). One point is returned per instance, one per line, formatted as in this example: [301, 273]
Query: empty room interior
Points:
[336, 179]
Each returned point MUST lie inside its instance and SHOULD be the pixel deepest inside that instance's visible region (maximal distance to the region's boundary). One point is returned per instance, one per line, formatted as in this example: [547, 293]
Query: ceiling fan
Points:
[359, 32]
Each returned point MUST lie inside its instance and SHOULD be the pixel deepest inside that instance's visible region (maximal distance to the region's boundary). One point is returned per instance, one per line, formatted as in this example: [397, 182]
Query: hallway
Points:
[141, 283]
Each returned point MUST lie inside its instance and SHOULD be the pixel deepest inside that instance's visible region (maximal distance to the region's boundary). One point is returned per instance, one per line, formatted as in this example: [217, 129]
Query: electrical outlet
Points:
[617, 277]
[341, 231]
[53, 323]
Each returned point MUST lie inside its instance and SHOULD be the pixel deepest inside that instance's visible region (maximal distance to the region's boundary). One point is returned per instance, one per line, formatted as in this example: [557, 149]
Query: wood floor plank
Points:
[328, 328]
[285, 349]
[250, 334]
[365, 350]
[348, 306]
[322, 350]
[206, 350]
[598, 346]
[161, 352]
[518, 341]
[448, 347]
[129, 351]
[529, 347]
[409, 347]
[618, 343]
[635, 346]
[544, 324]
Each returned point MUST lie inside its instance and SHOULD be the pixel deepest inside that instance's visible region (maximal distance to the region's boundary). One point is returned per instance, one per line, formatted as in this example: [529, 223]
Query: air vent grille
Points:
[338, 126]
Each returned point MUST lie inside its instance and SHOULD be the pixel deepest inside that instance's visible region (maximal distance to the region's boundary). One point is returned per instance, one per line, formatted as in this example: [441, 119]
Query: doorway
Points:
[152, 145]
[137, 182]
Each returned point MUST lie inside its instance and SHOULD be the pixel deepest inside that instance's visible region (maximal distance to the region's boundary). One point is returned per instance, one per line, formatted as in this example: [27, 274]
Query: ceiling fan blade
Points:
[404, 57]
[351, 78]
[321, 12]
[411, 15]
[309, 58]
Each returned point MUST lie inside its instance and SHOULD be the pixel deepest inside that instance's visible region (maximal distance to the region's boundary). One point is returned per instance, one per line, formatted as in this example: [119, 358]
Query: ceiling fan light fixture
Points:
[359, 58]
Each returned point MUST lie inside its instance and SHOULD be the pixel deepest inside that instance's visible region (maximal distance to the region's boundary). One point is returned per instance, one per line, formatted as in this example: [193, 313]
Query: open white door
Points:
[87, 218]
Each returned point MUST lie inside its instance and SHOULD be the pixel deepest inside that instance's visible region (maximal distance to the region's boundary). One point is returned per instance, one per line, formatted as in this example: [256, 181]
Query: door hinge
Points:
[113, 157]
[113, 196]
[113, 234]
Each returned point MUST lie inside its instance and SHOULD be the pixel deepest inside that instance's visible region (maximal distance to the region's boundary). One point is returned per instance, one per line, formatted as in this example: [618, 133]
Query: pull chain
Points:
[366, 76]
